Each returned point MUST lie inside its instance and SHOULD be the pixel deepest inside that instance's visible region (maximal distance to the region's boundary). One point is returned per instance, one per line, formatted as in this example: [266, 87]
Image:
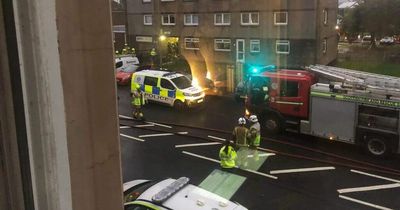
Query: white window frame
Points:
[144, 20]
[253, 42]
[223, 41]
[167, 0]
[146, 1]
[191, 23]
[325, 16]
[191, 39]
[169, 20]
[249, 14]
[282, 42]
[281, 23]
[324, 45]
[222, 19]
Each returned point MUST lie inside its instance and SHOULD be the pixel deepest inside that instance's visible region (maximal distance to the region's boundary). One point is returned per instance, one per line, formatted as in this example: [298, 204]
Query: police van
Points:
[175, 194]
[169, 88]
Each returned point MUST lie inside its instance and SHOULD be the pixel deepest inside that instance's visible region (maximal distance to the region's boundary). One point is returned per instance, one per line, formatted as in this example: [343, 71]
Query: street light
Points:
[161, 38]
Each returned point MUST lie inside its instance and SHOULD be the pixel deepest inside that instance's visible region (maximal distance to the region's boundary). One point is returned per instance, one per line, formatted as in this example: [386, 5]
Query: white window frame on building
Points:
[223, 19]
[276, 19]
[147, 23]
[255, 21]
[169, 23]
[282, 42]
[167, 0]
[324, 45]
[325, 16]
[191, 18]
[224, 43]
[146, 1]
[253, 43]
[240, 50]
[192, 40]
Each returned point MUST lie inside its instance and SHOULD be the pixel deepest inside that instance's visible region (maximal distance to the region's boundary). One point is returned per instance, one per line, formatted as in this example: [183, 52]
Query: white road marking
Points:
[162, 134]
[161, 125]
[125, 117]
[196, 145]
[123, 127]
[217, 161]
[144, 125]
[364, 203]
[301, 170]
[131, 137]
[216, 138]
[262, 155]
[375, 176]
[369, 188]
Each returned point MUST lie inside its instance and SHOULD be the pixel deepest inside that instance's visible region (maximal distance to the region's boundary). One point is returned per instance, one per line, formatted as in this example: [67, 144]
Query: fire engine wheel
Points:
[376, 146]
[179, 105]
[272, 124]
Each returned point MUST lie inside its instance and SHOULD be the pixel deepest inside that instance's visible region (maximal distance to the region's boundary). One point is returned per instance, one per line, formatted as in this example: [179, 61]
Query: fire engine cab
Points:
[332, 103]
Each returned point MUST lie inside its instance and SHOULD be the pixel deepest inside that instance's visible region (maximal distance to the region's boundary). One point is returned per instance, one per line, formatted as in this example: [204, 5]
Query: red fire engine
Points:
[332, 103]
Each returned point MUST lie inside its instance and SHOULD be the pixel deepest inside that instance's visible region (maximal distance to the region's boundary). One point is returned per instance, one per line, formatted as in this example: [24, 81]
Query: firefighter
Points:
[239, 135]
[254, 132]
[227, 154]
[240, 132]
[137, 103]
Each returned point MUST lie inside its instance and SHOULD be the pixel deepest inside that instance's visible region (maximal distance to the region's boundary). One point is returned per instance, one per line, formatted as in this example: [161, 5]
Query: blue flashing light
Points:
[254, 70]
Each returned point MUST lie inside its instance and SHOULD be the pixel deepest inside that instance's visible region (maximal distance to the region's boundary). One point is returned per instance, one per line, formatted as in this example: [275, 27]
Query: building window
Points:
[222, 19]
[168, 19]
[191, 19]
[167, 0]
[282, 47]
[280, 18]
[325, 12]
[192, 43]
[148, 20]
[222, 44]
[146, 1]
[324, 45]
[249, 18]
[255, 46]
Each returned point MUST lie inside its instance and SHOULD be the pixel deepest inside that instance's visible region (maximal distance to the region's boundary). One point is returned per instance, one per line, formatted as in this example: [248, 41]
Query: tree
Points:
[376, 17]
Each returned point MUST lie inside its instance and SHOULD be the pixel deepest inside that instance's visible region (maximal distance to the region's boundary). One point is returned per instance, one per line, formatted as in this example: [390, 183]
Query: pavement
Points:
[281, 176]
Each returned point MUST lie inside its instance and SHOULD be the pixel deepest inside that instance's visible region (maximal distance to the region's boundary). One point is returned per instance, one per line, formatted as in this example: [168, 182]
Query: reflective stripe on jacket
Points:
[227, 159]
[254, 134]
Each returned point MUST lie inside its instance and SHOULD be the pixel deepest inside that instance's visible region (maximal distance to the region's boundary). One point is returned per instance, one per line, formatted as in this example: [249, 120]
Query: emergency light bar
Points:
[168, 191]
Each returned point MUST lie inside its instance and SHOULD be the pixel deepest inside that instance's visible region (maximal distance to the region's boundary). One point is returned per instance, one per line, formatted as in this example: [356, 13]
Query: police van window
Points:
[182, 82]
[167, 84]
[289, 89]
[152, 81]
[118, 64]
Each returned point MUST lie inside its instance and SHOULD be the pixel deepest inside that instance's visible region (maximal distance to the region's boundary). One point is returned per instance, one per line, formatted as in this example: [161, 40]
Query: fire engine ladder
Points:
[374, 83]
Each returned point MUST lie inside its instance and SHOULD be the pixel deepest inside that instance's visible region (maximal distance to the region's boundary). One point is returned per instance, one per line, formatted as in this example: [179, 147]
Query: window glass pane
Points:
[167, 84]
[182, 82]
[245, 18]
[281, 17]
[218, 18]
[188, 19]
[152, 81]
[289, 89]
[227, 18]
[165, 19]
[254, 17]
[195, 19]
[172, 18]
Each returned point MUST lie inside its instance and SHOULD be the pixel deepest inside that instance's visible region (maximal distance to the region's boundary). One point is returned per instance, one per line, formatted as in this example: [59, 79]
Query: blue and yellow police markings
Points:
[159, 94]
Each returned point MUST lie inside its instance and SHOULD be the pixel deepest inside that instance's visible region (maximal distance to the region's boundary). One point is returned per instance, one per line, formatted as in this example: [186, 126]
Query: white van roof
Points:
[190, 197]
[158, 73]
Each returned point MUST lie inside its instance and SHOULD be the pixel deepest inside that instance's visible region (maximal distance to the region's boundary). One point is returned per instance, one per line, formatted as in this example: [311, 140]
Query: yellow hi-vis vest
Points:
[137, 98]
[227, 159]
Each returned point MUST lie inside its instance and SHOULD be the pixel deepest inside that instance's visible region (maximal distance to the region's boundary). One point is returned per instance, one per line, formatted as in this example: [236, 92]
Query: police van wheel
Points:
[179, 105]
[377, 146]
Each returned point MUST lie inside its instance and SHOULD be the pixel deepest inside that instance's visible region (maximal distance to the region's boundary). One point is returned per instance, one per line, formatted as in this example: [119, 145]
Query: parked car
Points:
[387, 40]
[125, 66]
[175, 194]
[366, 40]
